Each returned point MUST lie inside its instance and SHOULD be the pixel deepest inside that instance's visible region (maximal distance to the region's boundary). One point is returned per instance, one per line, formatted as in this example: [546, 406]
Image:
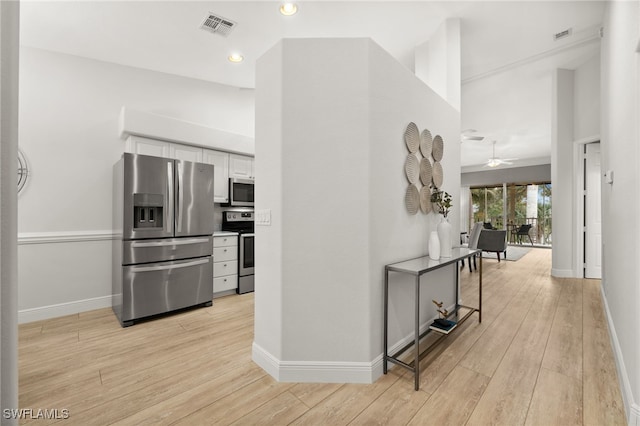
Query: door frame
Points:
[578, 202]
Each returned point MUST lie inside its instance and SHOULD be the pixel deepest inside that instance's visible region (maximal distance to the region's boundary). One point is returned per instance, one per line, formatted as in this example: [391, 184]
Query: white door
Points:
[593, 213]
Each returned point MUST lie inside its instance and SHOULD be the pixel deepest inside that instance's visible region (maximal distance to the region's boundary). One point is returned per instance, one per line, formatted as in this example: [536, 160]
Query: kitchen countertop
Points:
[225, 234]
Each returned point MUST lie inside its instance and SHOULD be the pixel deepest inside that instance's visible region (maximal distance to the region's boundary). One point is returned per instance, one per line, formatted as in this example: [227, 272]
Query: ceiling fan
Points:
[468, 135]
[497, 161]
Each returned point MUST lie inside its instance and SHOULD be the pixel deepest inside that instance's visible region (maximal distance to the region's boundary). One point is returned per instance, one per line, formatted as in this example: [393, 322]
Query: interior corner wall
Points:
[438, 62]
[562, 177]
[70, 137]
[620, 142]
[337, 204]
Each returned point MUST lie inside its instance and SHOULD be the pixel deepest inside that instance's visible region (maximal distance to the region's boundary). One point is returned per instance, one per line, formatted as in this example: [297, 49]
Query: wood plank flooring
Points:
[541, 356]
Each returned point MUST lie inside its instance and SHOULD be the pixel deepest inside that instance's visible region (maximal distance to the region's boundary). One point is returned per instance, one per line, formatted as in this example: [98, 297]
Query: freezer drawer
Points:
[146, 251]
[156, 288]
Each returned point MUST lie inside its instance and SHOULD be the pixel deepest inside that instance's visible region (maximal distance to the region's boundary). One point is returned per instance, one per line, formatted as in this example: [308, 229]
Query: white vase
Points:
[434, 246]
[444, 234]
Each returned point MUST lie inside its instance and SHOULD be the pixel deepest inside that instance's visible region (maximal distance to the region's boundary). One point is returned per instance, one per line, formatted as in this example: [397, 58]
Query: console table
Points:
[418, 267]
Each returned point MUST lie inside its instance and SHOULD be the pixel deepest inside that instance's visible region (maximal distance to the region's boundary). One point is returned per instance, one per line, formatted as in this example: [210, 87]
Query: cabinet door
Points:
[146, 146]
[240, 166]
[185, 152]
[220, 161]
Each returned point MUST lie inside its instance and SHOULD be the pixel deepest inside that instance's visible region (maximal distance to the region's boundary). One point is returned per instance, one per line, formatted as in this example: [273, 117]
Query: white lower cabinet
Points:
[225, 263]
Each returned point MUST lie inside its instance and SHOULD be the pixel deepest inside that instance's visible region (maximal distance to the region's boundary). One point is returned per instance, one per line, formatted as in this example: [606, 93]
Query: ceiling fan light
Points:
[493, 162]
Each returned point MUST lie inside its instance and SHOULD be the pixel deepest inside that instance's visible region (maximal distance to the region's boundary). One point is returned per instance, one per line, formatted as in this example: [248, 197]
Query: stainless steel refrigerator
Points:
[163, 220]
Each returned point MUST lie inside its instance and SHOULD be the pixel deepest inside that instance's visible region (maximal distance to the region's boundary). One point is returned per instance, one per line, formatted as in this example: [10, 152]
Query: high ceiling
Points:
[508, 49]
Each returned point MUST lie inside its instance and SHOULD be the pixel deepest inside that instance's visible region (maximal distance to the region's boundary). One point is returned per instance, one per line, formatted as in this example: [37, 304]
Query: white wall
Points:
[586, 101]
[330, 119]
[562, 177]
[69, 134]
[620, 204]
[540, 173]
[438, 61]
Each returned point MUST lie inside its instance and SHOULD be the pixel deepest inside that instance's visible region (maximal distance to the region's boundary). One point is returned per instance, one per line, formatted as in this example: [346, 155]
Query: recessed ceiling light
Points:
[288, 9]
[236, 57]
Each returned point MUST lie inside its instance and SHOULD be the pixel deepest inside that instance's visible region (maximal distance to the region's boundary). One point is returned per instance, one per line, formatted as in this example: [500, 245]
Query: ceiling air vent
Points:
[217, 24]
[562, 34]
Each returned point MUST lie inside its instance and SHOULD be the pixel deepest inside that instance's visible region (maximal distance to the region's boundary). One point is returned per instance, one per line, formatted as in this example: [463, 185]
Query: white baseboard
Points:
[634, 415]
[328, 372]
[632, 408]
[62, 309]
[316, 371]
[562, 273]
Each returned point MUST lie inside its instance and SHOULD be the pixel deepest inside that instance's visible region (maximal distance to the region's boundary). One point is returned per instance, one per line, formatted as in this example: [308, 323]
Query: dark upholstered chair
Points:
[521, 231]
[493, 240]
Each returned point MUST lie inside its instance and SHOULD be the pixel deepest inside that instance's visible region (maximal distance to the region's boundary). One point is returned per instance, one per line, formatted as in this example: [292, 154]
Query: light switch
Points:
[608, 176]
[263, 217]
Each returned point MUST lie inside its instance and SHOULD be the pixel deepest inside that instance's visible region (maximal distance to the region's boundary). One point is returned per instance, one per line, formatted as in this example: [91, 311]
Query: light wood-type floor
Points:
[541, 356]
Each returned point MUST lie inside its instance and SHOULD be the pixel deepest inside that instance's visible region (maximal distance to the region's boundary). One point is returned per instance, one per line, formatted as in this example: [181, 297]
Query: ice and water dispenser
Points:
[148, 210]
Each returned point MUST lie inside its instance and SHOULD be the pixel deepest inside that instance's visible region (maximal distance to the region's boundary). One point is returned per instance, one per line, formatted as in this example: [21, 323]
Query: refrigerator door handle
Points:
[171, 266]
[136, 244]
[168, 219]
[179, 191]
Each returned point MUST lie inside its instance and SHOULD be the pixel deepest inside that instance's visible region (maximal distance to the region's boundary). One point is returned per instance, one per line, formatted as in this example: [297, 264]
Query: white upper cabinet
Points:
[241, 166]
[146, 146]
[225, 165]
[185, 152]
[220, 161]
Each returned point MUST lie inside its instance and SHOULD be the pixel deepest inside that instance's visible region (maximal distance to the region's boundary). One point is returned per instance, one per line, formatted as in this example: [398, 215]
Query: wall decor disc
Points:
[412, 138]
[412, 199]
[426, 143]
[412, 168]
[425, 199]
[426, 171]
[438, 174]
[438, 148]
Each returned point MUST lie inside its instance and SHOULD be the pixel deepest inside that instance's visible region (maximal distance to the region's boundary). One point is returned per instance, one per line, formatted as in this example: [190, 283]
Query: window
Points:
[521, 204]
[487, 206]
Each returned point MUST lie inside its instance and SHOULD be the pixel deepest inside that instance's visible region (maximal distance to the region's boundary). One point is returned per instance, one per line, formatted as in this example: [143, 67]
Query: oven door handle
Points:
[172, 266]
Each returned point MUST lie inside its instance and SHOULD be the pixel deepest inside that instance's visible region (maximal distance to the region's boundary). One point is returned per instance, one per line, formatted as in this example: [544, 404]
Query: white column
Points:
[562, 173]
[9, 35]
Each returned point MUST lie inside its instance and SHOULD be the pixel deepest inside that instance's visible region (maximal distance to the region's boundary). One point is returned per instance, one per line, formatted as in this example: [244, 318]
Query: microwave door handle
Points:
[165, 267]
[169, 202]
[179, 191]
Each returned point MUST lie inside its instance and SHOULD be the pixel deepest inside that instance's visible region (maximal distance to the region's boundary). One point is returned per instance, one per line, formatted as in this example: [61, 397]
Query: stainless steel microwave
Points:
[240, 192]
